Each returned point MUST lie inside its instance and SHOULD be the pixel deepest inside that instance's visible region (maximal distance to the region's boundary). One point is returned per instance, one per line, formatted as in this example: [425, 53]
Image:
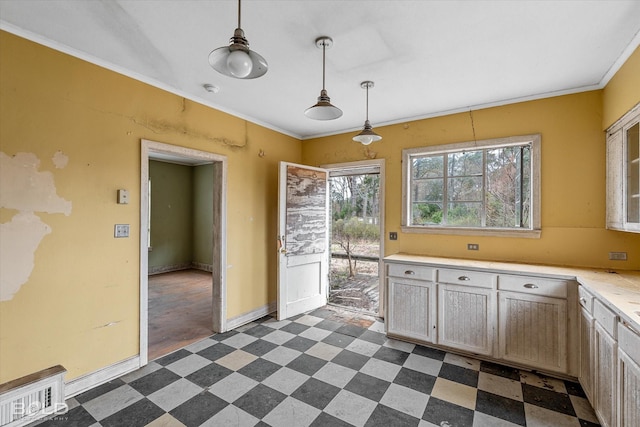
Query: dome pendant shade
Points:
[237, 60]
[323, 109]
[367, 136]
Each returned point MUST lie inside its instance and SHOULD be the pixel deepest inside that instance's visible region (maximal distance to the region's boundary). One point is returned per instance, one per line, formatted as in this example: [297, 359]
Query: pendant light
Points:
[237, 60]
[323, 110]
[367, 136]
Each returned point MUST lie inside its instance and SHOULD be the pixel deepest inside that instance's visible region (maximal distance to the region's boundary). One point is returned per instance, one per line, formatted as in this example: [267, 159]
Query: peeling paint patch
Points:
[24, 188]
[19, 240]
[60, 159]
[27, 190]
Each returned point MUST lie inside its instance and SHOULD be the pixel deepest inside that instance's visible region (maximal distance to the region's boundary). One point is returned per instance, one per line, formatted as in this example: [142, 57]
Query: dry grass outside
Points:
[359, 292]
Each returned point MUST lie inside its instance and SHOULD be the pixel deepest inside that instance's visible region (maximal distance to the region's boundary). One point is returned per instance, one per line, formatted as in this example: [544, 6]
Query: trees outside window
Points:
[482, 185]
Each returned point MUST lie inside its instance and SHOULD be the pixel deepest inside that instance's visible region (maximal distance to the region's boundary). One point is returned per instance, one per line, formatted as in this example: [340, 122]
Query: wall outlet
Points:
[473, 247]
[121, 230]
[618, 256]
[393, 235]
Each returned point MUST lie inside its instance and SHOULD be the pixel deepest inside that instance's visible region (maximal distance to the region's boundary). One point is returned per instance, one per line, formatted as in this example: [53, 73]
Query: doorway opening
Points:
[182, 247]
[356, 215]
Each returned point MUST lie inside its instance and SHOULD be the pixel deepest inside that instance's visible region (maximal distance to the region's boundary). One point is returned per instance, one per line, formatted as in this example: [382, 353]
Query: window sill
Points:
[462, 231]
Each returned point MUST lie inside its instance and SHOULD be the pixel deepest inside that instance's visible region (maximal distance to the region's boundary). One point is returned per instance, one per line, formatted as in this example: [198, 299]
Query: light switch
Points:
[123, 197]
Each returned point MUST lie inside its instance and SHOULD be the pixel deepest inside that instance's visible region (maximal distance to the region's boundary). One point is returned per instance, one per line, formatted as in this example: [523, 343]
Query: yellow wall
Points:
[79, 306]
[623, 91]
[572, 182]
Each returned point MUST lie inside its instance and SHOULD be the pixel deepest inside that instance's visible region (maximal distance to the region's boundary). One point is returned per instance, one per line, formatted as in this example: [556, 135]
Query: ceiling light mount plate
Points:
[324, 42]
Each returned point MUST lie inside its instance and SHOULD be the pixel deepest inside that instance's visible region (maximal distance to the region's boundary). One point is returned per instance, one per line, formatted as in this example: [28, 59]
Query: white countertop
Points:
[620, 290]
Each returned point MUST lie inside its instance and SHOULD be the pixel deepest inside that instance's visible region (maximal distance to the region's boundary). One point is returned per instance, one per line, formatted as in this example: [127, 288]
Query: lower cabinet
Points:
[586, 353]
[410, 309]
[466, 318]
[535, 321]
[533, 330]
[605, 363]
[628, 377]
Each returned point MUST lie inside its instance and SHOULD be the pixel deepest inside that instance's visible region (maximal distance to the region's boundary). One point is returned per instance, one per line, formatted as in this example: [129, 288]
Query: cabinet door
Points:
[410, 309]
[623, 173]
[615, 178]
[466, 318]
[586, 353]
[605, 367]
[628, 378]
[533, 330]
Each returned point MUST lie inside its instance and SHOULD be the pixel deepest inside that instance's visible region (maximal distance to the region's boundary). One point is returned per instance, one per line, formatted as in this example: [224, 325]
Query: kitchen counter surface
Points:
[620, 290]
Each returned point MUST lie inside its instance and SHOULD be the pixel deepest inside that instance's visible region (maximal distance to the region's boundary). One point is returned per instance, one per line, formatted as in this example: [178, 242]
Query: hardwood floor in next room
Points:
[180, 310]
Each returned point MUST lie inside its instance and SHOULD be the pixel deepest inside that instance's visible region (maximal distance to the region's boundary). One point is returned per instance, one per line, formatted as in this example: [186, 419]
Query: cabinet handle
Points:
[464, 278]
[410, 272]
[583, 300]
[531, 286]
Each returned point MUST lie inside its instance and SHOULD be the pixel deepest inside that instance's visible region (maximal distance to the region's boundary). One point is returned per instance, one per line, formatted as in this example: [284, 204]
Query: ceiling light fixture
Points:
[323, 110]
[237, 60]
[367, 136]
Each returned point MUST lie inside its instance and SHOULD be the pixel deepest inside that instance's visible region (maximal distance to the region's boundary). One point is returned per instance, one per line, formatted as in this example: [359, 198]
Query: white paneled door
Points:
[303, 239]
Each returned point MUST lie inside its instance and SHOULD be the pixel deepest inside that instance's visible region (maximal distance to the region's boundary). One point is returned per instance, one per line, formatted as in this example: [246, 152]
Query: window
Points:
[486, 187]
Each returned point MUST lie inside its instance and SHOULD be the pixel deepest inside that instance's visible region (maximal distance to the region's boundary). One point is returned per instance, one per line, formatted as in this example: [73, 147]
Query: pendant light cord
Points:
[324, 47]
[239, 14]
[367, 102]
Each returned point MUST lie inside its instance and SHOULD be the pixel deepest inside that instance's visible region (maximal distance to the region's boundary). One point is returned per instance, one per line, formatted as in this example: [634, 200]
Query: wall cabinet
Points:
[623, 173]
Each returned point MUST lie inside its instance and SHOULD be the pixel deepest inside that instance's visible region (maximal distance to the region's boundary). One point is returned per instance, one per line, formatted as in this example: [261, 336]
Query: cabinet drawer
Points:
[605, 317]
[629, 342]
[408, 271]
[585, 299]
[533, 285]
[466, 277]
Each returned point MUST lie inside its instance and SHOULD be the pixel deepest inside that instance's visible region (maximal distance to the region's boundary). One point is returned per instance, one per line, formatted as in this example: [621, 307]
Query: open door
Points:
[303, 239]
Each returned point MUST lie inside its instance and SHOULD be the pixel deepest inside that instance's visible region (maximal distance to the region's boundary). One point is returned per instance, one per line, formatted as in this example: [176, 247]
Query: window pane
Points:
[633, 170]
[465, 189]
[426, 214]
[465, 163]
[508, 187]
[428, 190]
[464, 214]
[427, 167]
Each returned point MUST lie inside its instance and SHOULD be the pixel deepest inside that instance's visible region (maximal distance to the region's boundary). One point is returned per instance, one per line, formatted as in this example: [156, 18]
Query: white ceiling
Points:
[426, 58]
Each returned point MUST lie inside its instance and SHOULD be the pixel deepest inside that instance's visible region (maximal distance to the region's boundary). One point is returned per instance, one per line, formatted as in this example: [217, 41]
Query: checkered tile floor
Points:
[325, 369]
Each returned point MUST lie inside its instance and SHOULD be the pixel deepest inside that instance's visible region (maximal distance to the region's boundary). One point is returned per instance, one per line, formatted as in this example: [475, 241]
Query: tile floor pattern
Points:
[318, 370]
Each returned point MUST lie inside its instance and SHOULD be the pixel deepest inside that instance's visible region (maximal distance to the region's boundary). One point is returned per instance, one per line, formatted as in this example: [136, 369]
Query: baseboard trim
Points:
[179, 267]
[101, 376]
[250, 316]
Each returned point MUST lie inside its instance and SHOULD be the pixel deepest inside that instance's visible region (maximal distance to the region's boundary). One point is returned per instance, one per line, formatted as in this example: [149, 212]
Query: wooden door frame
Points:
[219, 315]
[380, 163]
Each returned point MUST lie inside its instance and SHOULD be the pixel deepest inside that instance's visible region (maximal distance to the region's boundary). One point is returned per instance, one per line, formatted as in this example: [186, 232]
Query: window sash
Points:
[525, 210]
